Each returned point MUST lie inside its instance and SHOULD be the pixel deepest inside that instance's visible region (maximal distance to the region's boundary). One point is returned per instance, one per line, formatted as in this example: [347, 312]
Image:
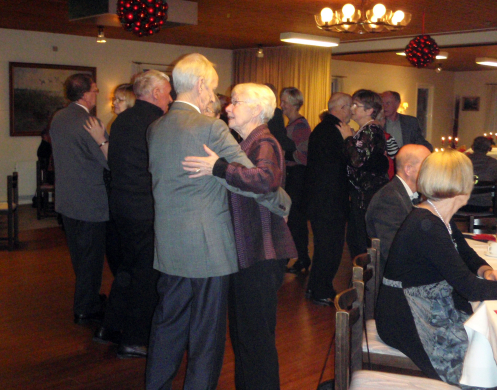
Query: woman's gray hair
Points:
[144, 83]
[189, 69]
[295, 97]
[446, 174]
[258, 94]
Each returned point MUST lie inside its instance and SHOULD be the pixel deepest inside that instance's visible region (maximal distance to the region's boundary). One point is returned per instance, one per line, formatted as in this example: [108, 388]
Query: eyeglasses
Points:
[475, 178]
[237, 102]
[118, 99]
[356, 105]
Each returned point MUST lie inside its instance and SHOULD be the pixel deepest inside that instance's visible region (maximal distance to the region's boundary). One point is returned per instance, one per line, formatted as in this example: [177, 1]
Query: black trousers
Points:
[86, 241]
[357, 235]
[113, 251]
[252, 302]
[297, 220]
[133, 295]
[191, 314]
[329, 238]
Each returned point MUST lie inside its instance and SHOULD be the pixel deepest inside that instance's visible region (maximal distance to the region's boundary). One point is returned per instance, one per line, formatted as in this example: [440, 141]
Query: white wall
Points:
[404, 80]
[473, 84]
[113, 61]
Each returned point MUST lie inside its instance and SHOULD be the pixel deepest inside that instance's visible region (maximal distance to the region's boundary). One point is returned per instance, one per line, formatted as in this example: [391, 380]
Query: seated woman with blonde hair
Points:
[431, 274]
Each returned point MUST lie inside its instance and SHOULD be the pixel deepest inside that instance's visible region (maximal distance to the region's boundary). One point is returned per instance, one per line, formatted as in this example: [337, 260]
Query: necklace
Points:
[446, 225]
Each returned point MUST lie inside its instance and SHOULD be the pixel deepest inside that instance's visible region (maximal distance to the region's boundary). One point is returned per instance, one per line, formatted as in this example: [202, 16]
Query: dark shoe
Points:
[131, 351]
[83, 319]
[298, 266]
[106, 336]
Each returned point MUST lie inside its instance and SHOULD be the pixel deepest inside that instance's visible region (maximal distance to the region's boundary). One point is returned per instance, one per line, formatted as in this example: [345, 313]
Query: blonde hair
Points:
[446, 174]
[189, 69]
[127, 91]
[145, 82]
[258, 94]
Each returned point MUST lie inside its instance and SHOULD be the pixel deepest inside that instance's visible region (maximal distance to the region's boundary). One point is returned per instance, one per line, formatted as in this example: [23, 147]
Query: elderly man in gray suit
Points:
[195, 248]
[80, 195]
[393, 202]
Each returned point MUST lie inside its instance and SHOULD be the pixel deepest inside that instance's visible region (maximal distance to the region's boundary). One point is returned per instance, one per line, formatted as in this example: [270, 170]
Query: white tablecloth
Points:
[480, 367]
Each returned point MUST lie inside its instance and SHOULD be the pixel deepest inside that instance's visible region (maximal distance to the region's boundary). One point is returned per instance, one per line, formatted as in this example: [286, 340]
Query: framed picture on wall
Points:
[471, 104]
[36, 92]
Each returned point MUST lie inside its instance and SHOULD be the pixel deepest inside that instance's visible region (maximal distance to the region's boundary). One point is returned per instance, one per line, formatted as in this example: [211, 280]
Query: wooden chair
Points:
[44, 208]
[481, 222]
[374, 350]
[10, 209]
[348, 361]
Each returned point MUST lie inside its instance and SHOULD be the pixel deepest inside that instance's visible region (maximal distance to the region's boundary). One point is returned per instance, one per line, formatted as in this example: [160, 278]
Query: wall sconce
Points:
[260, 52]
[101, 35]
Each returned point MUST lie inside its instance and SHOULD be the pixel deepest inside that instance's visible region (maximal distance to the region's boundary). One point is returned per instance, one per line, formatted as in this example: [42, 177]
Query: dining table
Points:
[480, 362]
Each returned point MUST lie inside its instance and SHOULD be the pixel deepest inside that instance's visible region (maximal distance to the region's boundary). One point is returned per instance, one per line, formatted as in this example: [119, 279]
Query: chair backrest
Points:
[366, 269]
[348, 334]
[12, 190]
[486, 187]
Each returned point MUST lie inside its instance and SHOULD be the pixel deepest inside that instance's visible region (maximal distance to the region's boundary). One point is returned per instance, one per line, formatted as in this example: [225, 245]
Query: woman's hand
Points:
[200, 166]
[96, 129]
[487, 272]
[345, 130]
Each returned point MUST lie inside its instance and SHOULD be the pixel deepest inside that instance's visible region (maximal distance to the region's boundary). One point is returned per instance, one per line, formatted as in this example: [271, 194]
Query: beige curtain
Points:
[306, 68]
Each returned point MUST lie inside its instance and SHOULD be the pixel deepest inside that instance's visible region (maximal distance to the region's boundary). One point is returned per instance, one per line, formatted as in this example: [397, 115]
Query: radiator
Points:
[27, 180]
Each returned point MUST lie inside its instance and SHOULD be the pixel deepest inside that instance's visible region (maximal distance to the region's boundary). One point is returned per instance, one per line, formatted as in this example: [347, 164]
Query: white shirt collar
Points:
[88, 111]
[190, 104]
[411, 194]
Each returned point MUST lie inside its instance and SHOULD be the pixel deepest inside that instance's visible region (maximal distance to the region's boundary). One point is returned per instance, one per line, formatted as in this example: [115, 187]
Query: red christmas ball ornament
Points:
[422, 51]
[142, 17]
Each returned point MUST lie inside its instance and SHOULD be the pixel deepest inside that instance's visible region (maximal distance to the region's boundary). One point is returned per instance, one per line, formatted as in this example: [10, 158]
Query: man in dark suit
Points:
[195, 249]
[80, 195]
[133, 295]
[393, 202]
[404, 128]
[326, 189]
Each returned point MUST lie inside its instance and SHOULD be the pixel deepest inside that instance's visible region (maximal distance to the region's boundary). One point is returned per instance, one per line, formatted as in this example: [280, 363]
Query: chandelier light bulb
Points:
[348, 10]
[326, 15]
[379, 10]
[398, 17]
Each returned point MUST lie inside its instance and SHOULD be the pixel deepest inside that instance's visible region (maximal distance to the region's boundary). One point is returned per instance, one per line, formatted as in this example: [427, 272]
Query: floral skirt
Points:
[440, 327]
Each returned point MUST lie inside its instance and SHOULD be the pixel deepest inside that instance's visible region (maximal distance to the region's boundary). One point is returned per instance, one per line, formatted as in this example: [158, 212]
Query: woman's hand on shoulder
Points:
[96, 129]
[200, 166]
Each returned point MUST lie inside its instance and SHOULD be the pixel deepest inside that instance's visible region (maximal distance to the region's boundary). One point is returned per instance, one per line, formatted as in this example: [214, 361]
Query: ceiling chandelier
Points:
[351, 20]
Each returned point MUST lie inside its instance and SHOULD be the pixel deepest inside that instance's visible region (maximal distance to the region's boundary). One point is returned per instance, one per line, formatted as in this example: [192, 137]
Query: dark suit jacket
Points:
[386, 212]
[79, 164]
[193, 228]
[411, 132]
[326, 184]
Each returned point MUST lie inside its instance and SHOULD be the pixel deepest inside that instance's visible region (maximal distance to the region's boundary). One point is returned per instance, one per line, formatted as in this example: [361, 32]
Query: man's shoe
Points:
[106, 336]
[131, 351]
[84, 319]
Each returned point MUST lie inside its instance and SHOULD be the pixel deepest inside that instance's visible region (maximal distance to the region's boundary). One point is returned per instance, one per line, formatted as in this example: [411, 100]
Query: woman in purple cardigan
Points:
[263, 240]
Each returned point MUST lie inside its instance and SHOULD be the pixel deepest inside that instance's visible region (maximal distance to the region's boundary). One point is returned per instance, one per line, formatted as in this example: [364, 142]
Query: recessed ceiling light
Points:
[486, 61]
[305, 39]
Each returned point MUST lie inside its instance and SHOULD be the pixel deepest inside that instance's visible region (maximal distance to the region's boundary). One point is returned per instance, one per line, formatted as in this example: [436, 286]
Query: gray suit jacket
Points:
[386, 212]
[79, 165]
[193, 228]
[411, 132]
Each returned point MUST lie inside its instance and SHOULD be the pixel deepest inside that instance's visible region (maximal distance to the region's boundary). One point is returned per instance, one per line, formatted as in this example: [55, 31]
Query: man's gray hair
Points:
[145, 82]
[338, 99]
[189, 69]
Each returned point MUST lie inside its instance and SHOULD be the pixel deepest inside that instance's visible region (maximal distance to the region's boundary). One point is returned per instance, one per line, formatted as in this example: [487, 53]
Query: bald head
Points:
[408, 161]
[339, 106]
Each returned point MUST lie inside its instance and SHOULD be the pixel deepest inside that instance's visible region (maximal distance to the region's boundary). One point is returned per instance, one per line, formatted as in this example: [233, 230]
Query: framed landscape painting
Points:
[470, 103]
[36, 92]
